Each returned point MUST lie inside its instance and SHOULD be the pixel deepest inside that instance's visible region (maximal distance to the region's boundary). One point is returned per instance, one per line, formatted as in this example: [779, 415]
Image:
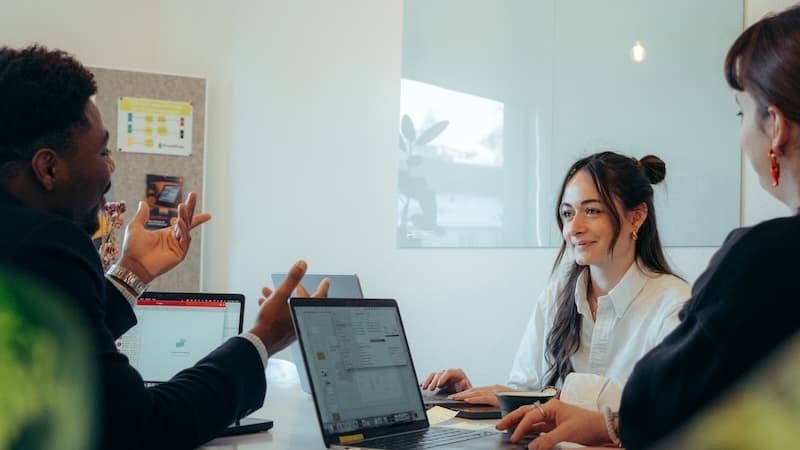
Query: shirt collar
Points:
[621, 296]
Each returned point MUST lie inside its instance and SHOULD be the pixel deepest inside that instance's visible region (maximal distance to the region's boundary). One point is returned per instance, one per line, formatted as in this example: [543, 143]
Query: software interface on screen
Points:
[360, 367]
[172, 335]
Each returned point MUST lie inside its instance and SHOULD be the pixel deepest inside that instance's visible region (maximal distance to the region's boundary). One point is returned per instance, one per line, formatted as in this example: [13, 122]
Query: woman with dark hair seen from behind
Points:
[745, 304]
[607, 308]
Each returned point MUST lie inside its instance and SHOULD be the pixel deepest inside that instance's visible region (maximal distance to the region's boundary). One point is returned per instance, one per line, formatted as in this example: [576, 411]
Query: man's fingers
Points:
[142, 214]
[186, 208]
[184, 236]
[301, 291]
[191, 203]
[322, 289]
[186, 211]
[284, 291]
[266, 292]
[199, 219]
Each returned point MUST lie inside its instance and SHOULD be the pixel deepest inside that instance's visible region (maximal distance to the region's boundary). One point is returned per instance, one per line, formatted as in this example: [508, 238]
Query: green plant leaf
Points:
[407, 127]
[403, 145]
[432, 133]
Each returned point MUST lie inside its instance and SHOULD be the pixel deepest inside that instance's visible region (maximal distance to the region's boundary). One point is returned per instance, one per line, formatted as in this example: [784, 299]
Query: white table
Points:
[296, 425]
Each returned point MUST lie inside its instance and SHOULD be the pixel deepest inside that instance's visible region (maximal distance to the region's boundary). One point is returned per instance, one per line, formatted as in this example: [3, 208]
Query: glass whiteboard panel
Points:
[499, 98]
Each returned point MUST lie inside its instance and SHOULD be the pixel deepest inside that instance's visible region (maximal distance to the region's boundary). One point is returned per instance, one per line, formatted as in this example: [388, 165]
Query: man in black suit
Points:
[54, 170]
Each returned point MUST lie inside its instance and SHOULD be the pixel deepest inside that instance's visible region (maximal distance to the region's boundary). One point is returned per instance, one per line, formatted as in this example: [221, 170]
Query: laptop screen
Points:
[175, 330]
[360, 367]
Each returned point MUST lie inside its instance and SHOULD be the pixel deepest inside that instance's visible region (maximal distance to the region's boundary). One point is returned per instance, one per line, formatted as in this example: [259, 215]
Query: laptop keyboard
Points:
[432, 437]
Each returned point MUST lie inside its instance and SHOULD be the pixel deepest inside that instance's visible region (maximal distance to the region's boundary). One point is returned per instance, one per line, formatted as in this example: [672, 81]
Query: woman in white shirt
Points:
[608, 307]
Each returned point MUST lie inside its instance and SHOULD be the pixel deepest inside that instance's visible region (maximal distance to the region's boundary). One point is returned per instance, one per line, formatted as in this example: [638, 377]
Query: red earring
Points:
[774, 167]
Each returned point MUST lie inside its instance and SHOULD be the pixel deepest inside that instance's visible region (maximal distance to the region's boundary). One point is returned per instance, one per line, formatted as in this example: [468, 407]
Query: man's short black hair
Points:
[43, 95]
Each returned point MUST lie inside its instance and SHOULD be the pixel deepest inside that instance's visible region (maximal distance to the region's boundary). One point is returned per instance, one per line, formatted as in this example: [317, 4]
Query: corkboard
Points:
[132, 168]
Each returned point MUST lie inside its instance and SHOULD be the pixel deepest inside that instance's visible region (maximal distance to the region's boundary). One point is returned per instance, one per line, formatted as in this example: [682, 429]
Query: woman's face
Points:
[589, 228]
[754, 140]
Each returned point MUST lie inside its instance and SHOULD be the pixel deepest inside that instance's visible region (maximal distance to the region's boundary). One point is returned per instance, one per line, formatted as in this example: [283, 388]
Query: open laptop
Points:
[341, 286]
[363, 380]
[174, 330]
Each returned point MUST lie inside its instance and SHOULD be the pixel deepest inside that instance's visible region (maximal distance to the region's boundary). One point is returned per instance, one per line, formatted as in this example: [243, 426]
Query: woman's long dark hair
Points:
[615, 176]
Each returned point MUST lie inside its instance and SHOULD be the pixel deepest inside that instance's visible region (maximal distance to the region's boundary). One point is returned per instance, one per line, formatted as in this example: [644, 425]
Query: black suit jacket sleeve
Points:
[741, 308]
[180, 414]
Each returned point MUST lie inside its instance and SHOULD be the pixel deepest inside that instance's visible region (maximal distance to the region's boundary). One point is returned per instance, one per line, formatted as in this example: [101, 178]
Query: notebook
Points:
[174, 330]
[363, 381]
[341, 286]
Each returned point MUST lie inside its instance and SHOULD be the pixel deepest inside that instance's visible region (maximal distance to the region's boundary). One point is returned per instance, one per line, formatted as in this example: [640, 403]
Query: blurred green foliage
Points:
[762, 412]
[47, 383]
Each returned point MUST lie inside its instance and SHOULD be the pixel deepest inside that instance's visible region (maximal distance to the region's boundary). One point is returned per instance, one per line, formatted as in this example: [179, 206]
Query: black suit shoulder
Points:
[741, 308]
[61, 255]
[180, 414]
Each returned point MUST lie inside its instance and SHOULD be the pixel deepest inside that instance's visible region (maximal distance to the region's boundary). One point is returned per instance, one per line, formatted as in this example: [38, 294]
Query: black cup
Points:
[511, 400]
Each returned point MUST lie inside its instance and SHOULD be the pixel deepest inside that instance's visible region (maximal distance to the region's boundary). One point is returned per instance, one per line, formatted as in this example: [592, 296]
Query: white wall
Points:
[302, 159]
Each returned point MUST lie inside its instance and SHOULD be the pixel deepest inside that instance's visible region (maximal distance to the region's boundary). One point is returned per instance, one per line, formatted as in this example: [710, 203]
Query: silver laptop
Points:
[363, 381]
[341, 286]
[174, 330]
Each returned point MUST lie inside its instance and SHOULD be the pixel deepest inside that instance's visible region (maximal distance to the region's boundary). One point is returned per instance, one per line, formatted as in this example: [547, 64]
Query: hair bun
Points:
[654, 168]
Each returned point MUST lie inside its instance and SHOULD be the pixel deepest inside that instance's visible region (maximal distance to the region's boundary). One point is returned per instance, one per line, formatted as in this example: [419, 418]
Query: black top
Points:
[743, 306]
[181, 414]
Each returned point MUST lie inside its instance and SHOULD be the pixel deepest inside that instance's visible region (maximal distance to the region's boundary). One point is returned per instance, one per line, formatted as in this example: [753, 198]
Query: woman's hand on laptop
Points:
[450, 380]
[274, 321]
[557, 421]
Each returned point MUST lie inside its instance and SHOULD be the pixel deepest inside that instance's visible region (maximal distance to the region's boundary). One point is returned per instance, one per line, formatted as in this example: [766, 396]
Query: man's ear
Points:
[44, 164]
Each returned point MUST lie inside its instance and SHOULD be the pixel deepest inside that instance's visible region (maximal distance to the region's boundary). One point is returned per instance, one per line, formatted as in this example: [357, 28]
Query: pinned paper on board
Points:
[162, 195]
[156, 127]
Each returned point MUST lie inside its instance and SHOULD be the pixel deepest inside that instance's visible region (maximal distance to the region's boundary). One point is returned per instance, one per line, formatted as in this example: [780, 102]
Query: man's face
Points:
[84, 173]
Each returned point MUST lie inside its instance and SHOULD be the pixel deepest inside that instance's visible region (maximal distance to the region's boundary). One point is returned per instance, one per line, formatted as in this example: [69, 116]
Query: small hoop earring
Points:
[634, 236]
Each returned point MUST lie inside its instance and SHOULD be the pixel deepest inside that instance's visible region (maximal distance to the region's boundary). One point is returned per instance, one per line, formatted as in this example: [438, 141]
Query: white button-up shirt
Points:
[631, 319]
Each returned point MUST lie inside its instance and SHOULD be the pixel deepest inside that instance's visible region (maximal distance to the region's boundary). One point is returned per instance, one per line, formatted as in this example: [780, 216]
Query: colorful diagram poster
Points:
[154, 126]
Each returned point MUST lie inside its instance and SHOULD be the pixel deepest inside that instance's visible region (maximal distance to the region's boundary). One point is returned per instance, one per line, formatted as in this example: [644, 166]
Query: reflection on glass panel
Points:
[446, 136]
[474, 130]
[499, 98]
